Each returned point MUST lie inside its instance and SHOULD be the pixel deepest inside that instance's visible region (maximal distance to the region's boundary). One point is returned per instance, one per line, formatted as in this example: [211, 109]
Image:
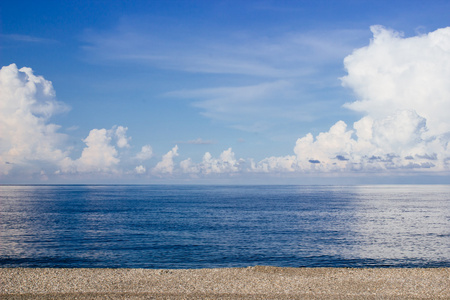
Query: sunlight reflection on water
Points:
[224, 226]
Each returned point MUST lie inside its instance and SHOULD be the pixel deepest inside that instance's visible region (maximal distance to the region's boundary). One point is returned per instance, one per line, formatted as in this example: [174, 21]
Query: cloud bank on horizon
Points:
[402, 89]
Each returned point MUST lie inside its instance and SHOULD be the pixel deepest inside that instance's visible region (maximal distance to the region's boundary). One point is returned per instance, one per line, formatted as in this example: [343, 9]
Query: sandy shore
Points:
[229, 283]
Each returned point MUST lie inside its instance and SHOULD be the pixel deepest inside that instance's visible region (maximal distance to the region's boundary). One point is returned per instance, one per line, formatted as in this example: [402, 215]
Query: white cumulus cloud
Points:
[27, 139]
[140, 169]
[167, 165]
[403, 88]
[225, 163]
[395, 73]
[121, 135]
[272, 164]
[99, 155]
[145, 153]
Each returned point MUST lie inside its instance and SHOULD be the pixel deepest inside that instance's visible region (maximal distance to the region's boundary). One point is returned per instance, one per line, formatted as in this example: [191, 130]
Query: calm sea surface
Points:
[162, 226]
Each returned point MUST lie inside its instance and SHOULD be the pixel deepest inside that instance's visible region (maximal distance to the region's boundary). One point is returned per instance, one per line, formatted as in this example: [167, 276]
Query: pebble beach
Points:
[258, 282]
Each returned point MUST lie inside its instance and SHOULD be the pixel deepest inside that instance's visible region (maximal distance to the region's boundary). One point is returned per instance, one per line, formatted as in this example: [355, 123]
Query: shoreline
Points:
[259, 282]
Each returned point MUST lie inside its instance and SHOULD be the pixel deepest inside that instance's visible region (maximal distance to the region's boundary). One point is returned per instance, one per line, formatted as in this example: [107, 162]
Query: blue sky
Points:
[224, 91]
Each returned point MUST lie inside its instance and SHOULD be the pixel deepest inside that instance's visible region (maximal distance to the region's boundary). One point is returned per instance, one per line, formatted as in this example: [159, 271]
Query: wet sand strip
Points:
[228, 283]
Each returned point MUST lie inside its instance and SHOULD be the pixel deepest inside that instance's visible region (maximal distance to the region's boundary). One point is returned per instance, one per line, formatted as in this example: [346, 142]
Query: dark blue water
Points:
[225, 226]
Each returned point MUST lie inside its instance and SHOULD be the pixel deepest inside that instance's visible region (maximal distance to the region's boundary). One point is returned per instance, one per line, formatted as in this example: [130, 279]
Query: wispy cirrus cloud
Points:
[293, 54]
[252, 108]
[283, 72]
[26, 38]
[198, 141]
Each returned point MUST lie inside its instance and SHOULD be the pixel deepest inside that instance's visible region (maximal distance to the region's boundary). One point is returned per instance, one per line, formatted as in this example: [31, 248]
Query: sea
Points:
[214, 226]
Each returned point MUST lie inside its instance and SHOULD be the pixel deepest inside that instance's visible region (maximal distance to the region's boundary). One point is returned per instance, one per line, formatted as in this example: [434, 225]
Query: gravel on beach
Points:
[257, 282]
